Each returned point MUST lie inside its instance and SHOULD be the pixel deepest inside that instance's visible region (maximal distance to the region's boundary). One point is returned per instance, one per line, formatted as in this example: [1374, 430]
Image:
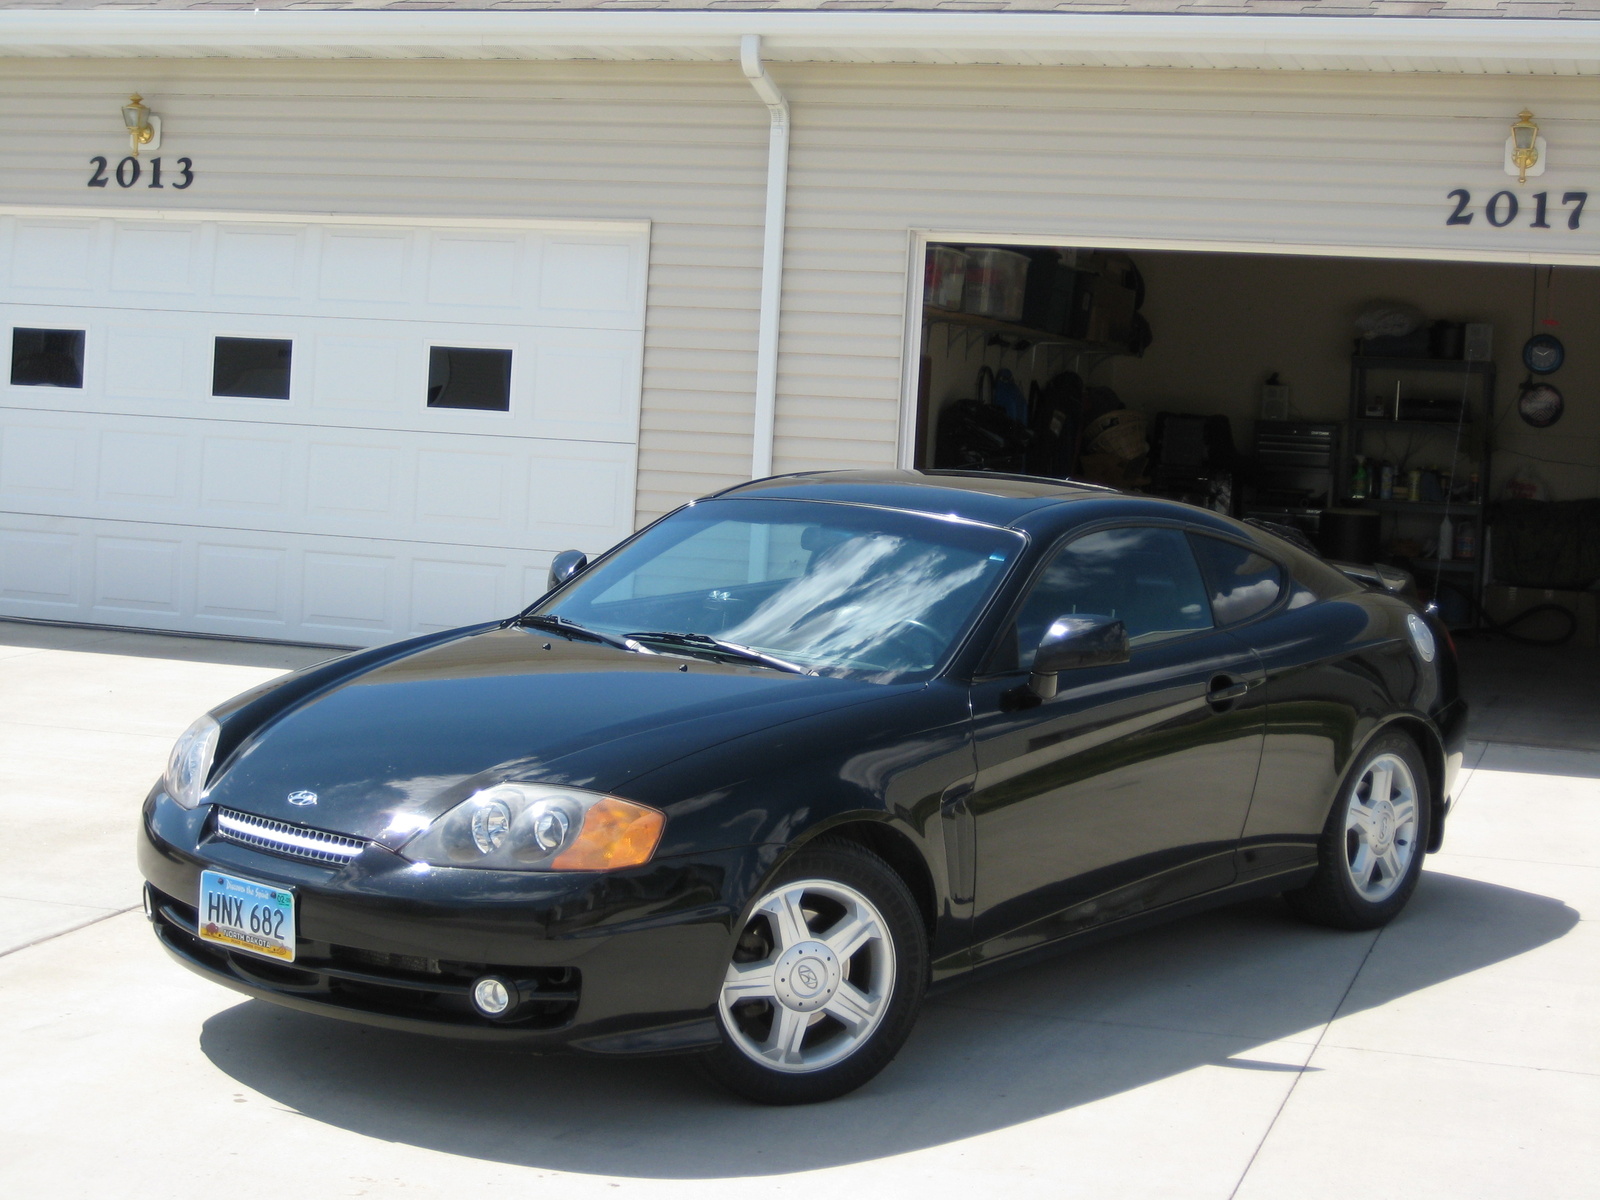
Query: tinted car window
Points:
[838, 589]
[1146, 578]
[1313, 579]
[1241, 581]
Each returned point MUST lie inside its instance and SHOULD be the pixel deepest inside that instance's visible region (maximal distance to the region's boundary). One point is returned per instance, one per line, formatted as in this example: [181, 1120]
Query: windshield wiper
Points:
[571, 628]
[704, 641]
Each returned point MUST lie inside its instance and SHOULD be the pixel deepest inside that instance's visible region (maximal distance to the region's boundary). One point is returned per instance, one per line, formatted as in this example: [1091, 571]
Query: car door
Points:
[1126, 790]
[1334, 665]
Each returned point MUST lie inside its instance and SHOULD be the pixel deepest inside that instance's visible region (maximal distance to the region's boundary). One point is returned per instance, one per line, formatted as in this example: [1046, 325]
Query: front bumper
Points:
[619, 962]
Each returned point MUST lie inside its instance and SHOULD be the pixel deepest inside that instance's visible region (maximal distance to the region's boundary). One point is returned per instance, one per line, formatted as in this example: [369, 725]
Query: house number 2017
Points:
[130, 169]
[1504, 206]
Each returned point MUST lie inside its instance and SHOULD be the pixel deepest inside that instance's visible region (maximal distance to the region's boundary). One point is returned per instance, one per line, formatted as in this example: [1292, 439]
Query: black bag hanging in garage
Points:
[1057, 423]
[979, 435]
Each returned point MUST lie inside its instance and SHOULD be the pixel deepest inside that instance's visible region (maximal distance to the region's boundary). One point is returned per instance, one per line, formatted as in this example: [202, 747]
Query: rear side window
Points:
[1145, 578]
[1241, 582]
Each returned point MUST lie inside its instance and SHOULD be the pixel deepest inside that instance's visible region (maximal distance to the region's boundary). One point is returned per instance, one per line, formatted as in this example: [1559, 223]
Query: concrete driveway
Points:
[1454, 1054]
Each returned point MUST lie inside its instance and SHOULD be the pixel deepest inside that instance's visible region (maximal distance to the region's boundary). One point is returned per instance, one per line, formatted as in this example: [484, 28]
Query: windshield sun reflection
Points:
[853, 600]
[836, 589]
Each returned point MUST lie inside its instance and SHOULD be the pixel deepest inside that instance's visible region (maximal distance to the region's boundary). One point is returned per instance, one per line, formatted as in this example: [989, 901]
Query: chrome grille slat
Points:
[284, 837]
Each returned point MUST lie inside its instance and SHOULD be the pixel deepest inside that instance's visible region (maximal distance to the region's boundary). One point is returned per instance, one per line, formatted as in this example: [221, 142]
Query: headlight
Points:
[190, 762]
[529, 827]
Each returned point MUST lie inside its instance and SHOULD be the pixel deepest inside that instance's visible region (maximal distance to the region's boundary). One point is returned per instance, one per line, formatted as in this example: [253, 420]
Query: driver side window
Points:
[1146, 578]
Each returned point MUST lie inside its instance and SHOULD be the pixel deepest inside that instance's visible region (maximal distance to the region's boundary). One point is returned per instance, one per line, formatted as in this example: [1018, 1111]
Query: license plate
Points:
[245, 915]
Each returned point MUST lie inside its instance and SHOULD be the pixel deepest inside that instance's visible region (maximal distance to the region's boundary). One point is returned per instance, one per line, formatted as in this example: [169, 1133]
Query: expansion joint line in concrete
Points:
[1301, 1073]
[50, 937]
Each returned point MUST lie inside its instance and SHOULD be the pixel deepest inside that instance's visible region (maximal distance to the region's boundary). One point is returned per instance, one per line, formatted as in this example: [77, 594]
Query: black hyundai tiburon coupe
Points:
[747, 784]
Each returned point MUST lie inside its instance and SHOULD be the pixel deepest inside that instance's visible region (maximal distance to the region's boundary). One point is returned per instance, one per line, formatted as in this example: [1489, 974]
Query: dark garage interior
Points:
[1435, 417]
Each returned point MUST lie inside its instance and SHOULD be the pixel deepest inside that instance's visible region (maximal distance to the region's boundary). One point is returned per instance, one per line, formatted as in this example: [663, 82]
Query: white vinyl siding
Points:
[1309, 162]
[683, 147]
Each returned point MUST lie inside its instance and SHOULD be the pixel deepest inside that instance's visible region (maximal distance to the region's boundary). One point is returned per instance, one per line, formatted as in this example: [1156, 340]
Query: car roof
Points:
[993, 499]
[1027, 502]
[1036, 506]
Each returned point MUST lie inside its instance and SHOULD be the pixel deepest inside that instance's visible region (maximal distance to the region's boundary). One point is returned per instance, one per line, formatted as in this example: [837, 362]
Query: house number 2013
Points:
[129, 171]
[1503, 207]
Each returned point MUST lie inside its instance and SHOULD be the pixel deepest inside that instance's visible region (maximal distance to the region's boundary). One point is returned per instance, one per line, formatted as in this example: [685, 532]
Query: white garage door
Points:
[324, 430]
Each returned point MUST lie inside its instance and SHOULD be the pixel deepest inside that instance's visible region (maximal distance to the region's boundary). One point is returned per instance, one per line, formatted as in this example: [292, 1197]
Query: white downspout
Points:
[771, 254]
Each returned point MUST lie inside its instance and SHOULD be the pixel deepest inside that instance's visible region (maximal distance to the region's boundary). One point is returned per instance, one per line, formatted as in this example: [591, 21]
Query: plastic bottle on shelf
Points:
[1467, 541]
[1447, 538]
[1386, 482]
[1358, 485]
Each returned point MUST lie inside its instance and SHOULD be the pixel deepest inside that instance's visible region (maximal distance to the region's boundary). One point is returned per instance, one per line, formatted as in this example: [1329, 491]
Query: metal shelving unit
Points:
[1435, 437]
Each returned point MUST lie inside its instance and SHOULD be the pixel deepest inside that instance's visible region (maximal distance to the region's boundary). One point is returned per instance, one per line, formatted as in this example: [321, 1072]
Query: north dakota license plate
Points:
[244, 915]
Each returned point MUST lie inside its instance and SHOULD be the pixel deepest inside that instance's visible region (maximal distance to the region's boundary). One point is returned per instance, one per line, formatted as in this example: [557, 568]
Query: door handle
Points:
[1222, 691]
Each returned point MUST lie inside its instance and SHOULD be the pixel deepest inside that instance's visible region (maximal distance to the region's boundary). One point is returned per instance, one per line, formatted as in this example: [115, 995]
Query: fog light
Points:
[491, 996]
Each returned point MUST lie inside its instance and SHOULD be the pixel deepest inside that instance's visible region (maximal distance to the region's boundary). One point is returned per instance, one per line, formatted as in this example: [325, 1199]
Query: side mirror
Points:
[1081, 640]
[565, 565]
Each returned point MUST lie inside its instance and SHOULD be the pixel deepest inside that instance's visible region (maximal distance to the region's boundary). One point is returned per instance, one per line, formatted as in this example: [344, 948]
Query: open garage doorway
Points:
[1439, 417]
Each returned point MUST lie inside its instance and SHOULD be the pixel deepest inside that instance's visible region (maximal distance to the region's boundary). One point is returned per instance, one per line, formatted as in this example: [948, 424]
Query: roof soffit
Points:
[1467, 45]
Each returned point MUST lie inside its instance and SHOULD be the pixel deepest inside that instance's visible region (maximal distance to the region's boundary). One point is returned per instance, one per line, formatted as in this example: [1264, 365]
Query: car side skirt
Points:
[954, 969]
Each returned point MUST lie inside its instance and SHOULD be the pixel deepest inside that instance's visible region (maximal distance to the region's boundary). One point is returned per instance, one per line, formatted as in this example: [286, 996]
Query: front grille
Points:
[392, 962]
[282, 837]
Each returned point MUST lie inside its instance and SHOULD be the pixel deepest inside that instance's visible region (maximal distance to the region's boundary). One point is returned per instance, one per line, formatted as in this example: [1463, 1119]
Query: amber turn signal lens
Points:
[616, 833]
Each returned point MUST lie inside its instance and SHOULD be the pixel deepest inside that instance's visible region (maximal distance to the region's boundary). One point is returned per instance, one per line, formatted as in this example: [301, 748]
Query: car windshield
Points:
[831, 589]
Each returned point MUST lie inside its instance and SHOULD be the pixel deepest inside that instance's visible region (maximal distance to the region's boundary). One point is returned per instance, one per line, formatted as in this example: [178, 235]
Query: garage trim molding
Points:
[189, 216]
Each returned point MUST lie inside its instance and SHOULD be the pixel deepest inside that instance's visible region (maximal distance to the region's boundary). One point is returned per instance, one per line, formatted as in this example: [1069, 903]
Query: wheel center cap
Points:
[1382, 825]
[807, 975]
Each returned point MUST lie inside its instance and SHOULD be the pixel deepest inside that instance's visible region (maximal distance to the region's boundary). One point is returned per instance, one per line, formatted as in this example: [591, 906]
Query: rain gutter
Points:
[1461, 45]
[771, 253]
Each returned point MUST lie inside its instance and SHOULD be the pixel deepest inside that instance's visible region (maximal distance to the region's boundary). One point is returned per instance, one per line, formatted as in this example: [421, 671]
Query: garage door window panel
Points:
[469, 377]
[1146, 578]
[251, 368]
[1242, 582]
[47, 358]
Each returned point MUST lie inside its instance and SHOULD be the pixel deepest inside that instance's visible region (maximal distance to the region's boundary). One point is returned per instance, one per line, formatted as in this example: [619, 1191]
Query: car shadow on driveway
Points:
[989, 1055]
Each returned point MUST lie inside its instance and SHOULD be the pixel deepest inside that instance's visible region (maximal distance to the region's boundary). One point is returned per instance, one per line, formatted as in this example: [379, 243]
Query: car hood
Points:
[412, 736]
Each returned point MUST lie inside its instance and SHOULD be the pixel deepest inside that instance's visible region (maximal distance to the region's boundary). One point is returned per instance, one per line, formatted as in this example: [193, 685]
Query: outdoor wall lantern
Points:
[1524, 148]
[144, 127]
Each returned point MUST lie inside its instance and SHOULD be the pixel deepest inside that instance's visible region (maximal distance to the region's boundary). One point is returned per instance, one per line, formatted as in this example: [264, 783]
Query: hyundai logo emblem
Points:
[808, 977]
[302, 798]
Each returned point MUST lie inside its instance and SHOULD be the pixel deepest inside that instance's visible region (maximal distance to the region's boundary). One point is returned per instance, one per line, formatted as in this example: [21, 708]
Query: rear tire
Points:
[1371, 851]
[826, 979]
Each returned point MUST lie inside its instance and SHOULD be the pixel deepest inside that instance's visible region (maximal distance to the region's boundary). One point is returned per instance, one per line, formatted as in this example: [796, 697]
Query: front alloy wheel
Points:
[824, 981]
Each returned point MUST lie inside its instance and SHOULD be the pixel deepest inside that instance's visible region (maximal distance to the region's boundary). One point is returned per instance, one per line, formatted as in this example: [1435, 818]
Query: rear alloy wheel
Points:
[825, 980]
[1372, 847]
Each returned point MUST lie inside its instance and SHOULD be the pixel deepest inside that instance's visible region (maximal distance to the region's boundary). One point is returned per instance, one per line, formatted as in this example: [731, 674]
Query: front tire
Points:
[1370, 855]
[825, 982]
